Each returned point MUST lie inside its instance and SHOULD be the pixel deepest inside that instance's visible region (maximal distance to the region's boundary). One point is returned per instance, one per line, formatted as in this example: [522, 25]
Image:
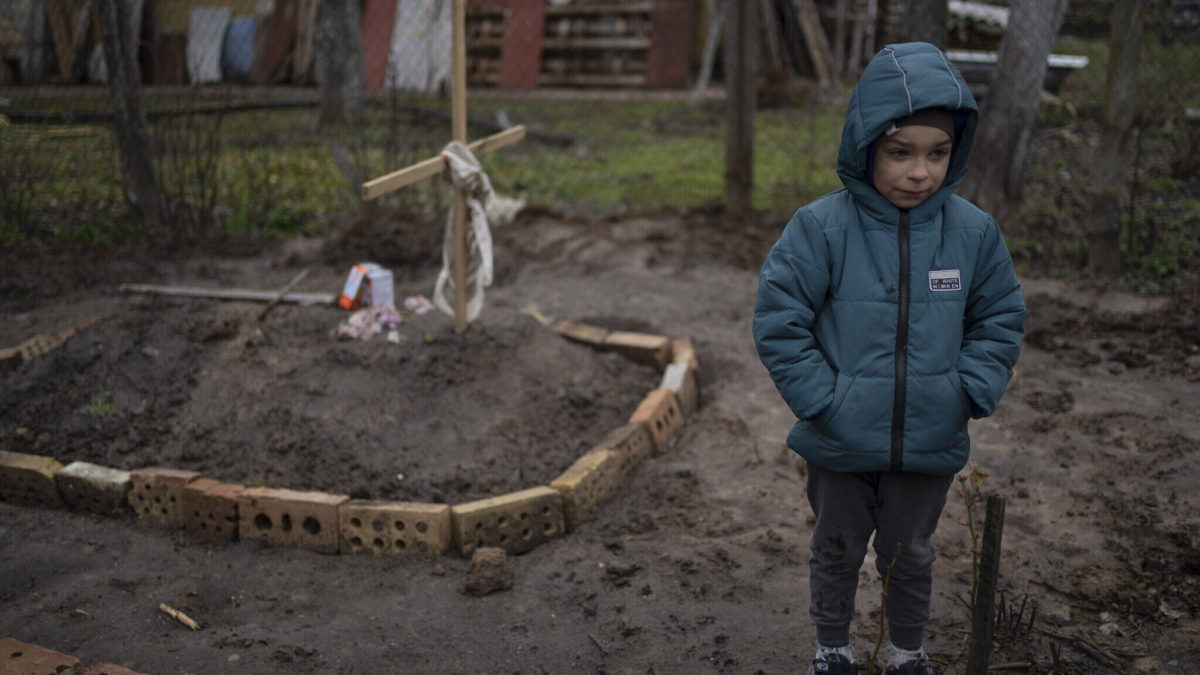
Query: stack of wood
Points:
[601, 43]
[820, 41]
[596, 44]
[485, 40]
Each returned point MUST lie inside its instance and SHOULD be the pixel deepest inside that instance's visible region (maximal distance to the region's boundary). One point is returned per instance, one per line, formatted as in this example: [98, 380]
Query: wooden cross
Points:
[435, 165]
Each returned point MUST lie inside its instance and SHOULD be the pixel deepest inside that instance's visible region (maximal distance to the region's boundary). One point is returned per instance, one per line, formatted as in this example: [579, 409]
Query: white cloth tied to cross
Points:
[483, 204]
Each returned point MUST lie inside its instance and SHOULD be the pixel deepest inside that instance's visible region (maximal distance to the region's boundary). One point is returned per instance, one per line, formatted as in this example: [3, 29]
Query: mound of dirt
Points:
[204, 385]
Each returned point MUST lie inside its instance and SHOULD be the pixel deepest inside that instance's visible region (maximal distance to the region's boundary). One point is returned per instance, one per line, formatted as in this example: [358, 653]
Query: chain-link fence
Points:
[1160, 222]
[229, 91]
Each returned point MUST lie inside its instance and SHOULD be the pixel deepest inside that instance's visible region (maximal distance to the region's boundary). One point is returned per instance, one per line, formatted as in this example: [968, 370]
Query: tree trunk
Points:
[1109, 186]
[341, 70]
[1010, 112]
[741, 85]
[925, 21]
[137, 169]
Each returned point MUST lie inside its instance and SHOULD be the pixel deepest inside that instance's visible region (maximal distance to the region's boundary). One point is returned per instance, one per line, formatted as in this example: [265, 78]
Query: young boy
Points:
[888, 314]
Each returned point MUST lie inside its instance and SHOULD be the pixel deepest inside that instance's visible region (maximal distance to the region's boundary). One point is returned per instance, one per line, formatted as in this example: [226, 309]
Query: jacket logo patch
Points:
[944, 280]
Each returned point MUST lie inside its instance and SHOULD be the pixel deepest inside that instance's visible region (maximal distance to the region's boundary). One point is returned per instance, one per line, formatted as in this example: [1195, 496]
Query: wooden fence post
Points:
[741, 89]
[984, 607]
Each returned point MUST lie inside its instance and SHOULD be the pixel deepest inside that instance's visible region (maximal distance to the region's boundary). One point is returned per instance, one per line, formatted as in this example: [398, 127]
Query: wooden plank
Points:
[58, 15]
[716, 17]
[497, 141]
[584, 80]
[230, 294]
[434, 165]
[769, 29]
[610, 8]
[306, 30]
[815, 40]
[597, 43]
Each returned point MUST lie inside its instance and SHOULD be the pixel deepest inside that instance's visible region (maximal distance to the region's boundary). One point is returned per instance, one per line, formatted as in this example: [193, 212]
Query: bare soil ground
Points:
[700, 566]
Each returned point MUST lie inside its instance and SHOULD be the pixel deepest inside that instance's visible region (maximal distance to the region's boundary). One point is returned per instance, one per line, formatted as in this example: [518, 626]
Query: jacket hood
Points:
[900, 80]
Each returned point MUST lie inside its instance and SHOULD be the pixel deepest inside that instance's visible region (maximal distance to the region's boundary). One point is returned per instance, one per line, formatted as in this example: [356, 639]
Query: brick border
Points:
[516, 522]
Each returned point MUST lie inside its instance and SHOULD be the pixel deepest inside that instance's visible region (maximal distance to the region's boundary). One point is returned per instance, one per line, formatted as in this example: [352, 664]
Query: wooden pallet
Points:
[607, 44]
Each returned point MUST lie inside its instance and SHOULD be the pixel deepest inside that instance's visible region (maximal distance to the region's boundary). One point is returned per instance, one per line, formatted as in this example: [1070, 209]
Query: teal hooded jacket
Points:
[885, 330]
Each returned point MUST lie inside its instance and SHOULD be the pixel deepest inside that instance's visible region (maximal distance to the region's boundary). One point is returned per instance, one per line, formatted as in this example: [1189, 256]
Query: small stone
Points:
[490, 572]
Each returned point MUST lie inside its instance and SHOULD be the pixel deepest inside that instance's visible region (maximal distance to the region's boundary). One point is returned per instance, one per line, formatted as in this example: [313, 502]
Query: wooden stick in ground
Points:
[984, 618]
[284, 291]
[179, 616]
[459, 122]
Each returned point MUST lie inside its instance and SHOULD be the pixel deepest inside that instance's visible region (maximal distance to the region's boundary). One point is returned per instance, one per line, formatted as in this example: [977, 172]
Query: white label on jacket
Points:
[944, 280]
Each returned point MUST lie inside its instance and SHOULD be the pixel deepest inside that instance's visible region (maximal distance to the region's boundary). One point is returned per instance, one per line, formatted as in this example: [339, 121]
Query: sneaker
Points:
[832, 664]
[917, 666]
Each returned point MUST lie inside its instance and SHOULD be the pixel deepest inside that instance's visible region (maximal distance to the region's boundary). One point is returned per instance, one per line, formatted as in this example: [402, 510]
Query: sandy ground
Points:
[701, 566]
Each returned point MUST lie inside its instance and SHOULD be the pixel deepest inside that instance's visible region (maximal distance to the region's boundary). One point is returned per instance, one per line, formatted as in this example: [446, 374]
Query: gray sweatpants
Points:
[902, 509]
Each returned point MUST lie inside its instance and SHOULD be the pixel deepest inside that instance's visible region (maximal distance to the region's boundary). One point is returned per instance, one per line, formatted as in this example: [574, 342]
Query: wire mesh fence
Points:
[232, 96]
[1160, 224]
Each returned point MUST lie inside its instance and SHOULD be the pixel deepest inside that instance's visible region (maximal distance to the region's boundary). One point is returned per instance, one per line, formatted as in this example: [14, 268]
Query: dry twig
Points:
[179, 616]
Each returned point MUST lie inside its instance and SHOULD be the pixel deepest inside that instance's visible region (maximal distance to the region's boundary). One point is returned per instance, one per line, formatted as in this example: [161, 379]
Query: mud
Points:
[700, 566]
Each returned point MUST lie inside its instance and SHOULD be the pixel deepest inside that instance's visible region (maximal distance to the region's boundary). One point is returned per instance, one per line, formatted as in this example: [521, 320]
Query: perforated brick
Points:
[683, 349]
[515, 522]
[26, 659]
[654, 350]
[28, 480]
[580, 332]
[660, 412]
[680, 378]
[632, 442]
[307, 520]
[602, 472]
[156, 494]
[93, 488]
[394, 528]
[591, 481]
[210, 509]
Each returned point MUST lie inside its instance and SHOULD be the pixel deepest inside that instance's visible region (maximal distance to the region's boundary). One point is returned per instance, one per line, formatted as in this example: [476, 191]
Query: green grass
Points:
[270, 172]
[101, 407]
[647, 156]
[1166, 83]
[274, 172]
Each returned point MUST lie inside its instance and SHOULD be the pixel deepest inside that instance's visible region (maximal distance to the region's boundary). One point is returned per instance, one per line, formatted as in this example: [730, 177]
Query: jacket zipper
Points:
[898, 400]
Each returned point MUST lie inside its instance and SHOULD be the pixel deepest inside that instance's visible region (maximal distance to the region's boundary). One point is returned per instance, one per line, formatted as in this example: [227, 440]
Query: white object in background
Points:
[206, 33]
[419, 58]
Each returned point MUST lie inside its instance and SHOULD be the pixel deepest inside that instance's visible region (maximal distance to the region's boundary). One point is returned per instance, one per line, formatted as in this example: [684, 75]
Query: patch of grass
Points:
[273, 172]
[101, 407]
[647, 156]
[1166, 71]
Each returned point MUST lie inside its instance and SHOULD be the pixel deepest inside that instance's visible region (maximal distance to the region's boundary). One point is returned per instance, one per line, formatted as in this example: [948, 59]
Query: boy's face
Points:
[910, 164]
